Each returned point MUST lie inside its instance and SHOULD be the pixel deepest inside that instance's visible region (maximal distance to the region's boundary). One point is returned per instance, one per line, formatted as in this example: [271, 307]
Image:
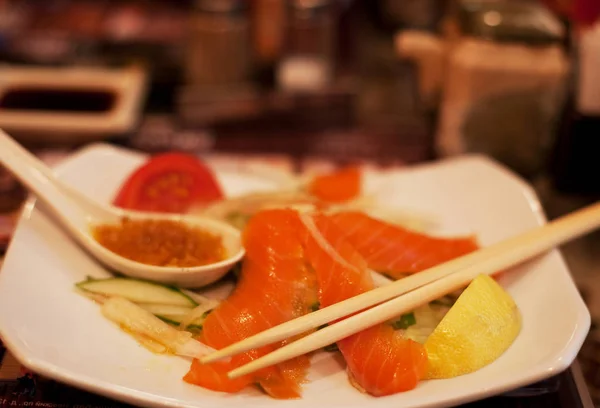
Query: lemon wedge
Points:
[478, 328]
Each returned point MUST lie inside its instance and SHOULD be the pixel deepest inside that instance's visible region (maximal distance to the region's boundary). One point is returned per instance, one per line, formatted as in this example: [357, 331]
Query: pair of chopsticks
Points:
[389, 301]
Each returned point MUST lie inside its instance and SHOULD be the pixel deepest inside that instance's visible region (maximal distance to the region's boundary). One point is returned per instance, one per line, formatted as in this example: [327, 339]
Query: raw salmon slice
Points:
[395, 250]
[380, 361]
[338, 186]
[275, 286]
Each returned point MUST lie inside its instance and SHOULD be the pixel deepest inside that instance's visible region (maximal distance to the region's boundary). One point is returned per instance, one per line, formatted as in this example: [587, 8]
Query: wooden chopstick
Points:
[446, 278]
[368, 299]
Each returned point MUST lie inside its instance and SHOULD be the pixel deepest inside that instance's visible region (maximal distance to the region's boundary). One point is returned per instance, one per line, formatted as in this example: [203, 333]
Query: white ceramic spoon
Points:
[77, 213]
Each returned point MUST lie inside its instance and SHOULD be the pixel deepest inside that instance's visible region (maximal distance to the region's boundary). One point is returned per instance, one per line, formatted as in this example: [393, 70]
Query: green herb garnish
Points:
[405, 321]
[331, 348]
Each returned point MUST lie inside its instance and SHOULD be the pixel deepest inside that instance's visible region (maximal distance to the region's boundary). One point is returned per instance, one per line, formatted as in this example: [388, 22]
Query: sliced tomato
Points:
[169, 182]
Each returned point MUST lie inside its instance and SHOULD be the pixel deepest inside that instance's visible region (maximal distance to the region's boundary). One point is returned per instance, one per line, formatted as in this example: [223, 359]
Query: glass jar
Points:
[308, 61]
[219, 48]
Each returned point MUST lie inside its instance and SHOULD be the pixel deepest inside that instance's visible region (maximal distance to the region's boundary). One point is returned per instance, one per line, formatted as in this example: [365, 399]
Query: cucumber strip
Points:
[90, 295]
[186, 320]
[138, 291]
[166, 310]
[176, 321]
[171, 319]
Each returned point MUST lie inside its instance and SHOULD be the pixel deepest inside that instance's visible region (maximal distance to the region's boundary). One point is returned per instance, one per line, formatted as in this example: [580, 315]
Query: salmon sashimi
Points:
[397, 251]
[380, 361]
[338, 186]
[275, 286]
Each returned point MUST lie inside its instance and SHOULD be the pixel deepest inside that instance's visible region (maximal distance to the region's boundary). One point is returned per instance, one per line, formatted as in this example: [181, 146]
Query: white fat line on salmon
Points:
[240, 311]
[375, 235]
[316, 234]
[379, 279]
[267, 303]
[369, 356]
[221, 323]
[394, 245]
[306, 219]
[352, 230]
[391, 245]
[413, 265]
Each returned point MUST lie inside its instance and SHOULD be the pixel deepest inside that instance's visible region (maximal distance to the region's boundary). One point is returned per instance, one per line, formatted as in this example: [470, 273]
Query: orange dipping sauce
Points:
[161, 243]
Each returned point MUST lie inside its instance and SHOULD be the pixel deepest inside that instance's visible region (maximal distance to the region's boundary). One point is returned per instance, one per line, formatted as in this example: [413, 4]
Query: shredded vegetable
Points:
[150, 330]
[419, 324]
[198, 314]
[238, 210]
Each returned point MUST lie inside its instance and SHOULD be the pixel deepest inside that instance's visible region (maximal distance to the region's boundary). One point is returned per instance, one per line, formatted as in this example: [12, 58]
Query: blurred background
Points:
[389, 81]
[419, 79]
[516, 80]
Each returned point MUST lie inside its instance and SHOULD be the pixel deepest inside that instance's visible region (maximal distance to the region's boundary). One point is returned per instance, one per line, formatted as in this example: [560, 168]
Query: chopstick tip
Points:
[235, 373]
[211, 358]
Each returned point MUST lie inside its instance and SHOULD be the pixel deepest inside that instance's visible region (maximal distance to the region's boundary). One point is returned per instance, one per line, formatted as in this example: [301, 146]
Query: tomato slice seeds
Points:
[169, 182]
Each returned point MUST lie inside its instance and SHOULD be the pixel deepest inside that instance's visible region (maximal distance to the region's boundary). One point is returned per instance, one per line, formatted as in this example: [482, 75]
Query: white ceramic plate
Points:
[59, 334]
